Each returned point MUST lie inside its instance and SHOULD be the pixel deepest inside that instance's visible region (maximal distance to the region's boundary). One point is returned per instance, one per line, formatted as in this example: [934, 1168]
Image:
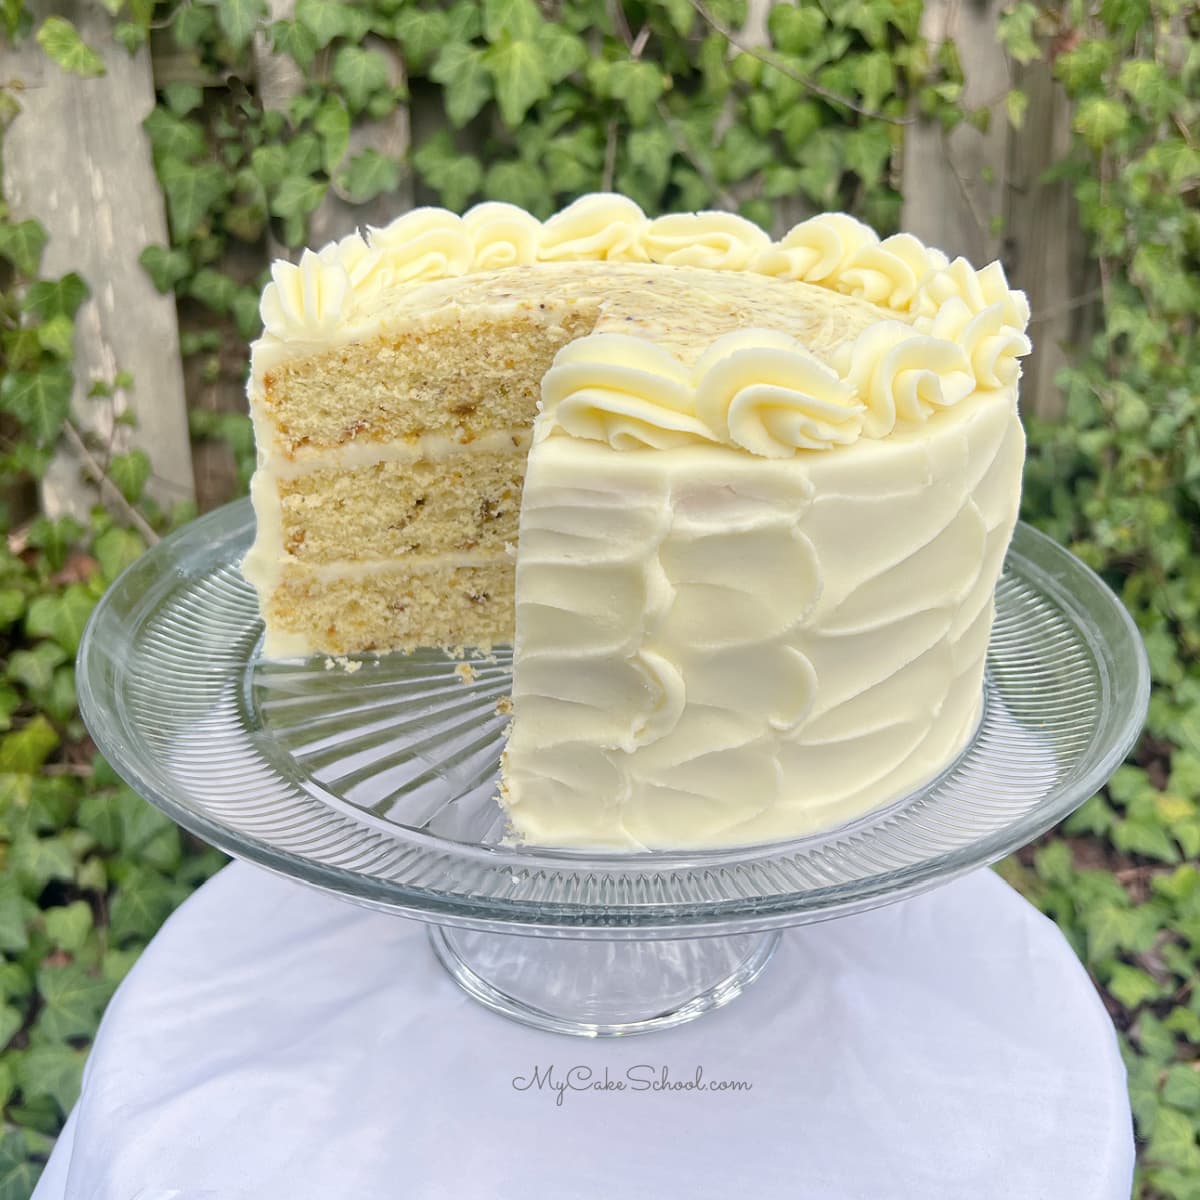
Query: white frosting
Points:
[305, 301]
[764, 392]
[891, 272]
[755, 574]
[717, 241]
[503, 236]
[817, 250]
[624, 391]
[601, 225]
[900, 374]
[715, 648]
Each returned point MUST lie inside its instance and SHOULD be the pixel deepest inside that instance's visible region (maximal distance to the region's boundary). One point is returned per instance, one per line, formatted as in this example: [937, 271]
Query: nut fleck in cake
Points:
[739, 505]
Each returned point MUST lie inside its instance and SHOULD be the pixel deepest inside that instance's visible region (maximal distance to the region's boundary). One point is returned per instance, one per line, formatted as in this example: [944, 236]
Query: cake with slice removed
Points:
[740, 505]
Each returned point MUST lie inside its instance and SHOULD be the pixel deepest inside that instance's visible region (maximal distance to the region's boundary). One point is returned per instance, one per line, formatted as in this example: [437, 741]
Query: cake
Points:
[739, 505]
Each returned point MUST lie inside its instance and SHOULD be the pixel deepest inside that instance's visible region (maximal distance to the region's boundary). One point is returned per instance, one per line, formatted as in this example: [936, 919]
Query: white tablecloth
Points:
[278, 1045]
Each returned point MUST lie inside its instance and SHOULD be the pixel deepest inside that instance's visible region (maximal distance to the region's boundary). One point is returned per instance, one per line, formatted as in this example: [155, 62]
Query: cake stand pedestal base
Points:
[596, 988]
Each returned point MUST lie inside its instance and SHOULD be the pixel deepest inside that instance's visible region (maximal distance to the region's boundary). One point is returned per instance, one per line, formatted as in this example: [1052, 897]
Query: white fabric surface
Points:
[276, 1044]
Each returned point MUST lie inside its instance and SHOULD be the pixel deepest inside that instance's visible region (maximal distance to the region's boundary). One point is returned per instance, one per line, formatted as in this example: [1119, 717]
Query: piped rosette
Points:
[952, 330]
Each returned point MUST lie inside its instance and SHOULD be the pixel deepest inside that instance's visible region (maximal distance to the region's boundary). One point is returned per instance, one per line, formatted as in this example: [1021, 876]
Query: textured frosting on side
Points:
[715, 649]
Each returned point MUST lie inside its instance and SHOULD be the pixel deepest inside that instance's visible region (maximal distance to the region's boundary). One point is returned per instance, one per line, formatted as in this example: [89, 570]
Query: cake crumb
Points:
[342, 663]
[465, 673]
[504, 706]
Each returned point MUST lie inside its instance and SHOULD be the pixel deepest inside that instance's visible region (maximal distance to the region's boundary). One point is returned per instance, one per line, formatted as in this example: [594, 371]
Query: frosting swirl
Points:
[602, 225]
[976, 289]
[424, 244]
[502, 235]
[891, 272]
[622, 390]
[816, 250]
[763, 391]
[718, 241]
[901, 374]
[305, 301]
[992, 345]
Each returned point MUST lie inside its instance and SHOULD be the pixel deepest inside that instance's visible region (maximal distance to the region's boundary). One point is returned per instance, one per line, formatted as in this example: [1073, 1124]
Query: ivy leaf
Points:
[18, 1172]
[269, 164]
[16, 912]
[638, 85]
[63, 46]
[332, 123]
[166, 267]
[795, 30]
[68, 926]
[1014, 29]
[238, 20]
[117, 548]
[40, 400]
[12, 605]
[143, 902]
[55, 538]
[295, 40]
[38, 860]
[1173, 1141]
[183, 98]
[516, 19]
[298, 195]
[519, 74]
[22, 244]
[34, 669]
[54, 297]
[562, 51]
[1100, 119]
[517, 183]
[1132, 986]
[360, 74]
[369, 174]
[213, 289]
[467, 87]
[72, 1000]
[130, 472]
[172, 136]
[57, 336]
[325, 20]
[11, 1022]
[1182, 1088]
[304, 155]
[455, 177]
[192, 193]
[55, 1071]
[422, 32]
[875, 78]
[62, 617]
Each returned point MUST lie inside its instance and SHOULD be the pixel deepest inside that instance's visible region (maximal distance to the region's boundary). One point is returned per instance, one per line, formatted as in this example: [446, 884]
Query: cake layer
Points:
[457, 373]
[717, 649]
[345, 609]
[397, 508]
[463, 356]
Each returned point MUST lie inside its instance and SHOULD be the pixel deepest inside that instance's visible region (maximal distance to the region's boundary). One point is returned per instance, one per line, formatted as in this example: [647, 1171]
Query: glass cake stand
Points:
[374, 780]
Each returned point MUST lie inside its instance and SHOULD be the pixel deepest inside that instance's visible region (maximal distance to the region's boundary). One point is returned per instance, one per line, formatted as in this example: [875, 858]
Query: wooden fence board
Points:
[78, 160]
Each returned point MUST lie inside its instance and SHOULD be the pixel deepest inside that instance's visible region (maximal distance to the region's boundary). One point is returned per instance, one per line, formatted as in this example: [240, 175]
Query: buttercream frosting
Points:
[766, 503]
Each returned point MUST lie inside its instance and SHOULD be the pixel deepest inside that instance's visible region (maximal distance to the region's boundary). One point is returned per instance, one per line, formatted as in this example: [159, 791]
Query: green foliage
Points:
[543, 103]
[1118, 481]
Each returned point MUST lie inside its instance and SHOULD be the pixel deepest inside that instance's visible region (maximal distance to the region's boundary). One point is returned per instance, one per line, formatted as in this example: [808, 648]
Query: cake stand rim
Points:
[648, 922]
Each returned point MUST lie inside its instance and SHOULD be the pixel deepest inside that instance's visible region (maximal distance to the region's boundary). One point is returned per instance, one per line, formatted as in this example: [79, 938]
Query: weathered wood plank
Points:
[1048, 254]
[954, 185]
[78, 160]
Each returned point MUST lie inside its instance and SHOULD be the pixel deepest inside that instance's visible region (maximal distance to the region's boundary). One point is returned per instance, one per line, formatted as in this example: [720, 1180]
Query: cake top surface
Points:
[707, 330]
